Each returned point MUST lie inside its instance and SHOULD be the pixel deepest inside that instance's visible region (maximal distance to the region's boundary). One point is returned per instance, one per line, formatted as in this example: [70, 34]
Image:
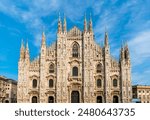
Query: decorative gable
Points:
[74, 32]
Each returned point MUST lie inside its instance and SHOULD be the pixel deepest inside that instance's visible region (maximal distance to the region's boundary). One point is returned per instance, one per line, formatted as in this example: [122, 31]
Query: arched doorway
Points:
[6, 101]
[75, 97]
[34, 99]
[115, 99]
[99, 99]
[50, 99]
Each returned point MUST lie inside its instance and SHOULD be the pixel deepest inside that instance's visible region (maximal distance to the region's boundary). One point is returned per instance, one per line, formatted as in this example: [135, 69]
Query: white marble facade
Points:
[74, 69]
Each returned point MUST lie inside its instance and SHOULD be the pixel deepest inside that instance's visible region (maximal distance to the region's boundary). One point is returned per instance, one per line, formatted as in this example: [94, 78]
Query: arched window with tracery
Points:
[75, 71]
[75, 50]
[99, 68]
[51, 83]
[115, 83]
[34, 83]
[51, 68]
[99, 83]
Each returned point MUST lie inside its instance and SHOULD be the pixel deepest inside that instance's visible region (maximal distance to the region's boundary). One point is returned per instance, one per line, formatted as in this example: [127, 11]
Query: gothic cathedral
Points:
[74, 70]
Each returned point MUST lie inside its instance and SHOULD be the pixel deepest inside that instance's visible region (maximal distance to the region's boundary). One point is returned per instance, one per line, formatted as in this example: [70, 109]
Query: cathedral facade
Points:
[74, 70]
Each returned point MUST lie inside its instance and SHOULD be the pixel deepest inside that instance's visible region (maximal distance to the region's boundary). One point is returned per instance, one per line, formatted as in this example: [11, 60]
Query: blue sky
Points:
[126, 20]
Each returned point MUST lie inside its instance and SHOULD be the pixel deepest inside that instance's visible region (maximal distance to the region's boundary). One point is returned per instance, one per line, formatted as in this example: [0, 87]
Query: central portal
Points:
[75, 97]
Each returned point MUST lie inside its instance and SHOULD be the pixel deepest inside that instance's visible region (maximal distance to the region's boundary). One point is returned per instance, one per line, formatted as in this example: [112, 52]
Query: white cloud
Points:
[139, 47]
[97, 7]
[32, 16]
[140, 57]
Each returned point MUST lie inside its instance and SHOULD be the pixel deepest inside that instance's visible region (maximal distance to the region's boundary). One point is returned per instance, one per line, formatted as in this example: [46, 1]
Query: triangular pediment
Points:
[74, 32]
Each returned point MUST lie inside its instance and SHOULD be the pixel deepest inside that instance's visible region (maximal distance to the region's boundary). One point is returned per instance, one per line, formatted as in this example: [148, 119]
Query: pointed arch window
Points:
[75, 50]
[51, 68]
[34, 83]
[51, 83]
[99, 83]
[75, 71]
[115, 83]
[99, 68]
